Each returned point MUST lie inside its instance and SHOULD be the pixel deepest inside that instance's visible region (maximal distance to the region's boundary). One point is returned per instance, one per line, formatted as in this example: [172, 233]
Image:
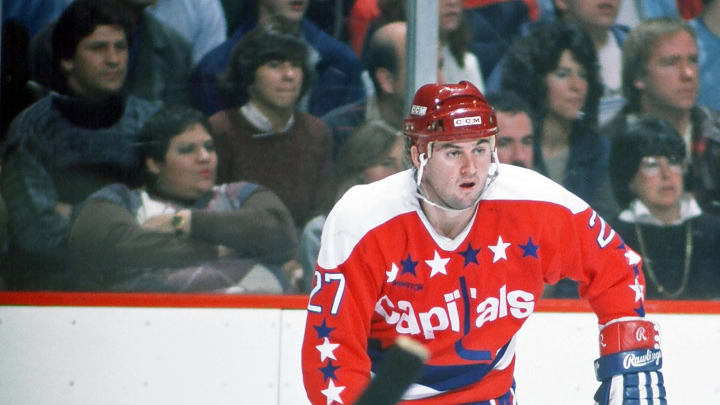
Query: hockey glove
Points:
[629, 364]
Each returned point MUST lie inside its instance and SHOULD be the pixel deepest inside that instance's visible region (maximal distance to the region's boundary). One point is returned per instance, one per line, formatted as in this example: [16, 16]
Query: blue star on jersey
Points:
[408, 265]
[470, 255]
[329, 371]
[530, 249]
[323, 330]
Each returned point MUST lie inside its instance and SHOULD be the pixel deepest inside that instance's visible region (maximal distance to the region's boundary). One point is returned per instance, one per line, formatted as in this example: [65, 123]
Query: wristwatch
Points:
[178, 222]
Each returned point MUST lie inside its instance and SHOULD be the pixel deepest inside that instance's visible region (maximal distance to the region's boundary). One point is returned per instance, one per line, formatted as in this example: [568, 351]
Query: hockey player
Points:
[454, 254]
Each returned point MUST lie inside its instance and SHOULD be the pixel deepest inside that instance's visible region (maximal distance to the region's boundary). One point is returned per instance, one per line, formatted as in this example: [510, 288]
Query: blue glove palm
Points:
[632, 389]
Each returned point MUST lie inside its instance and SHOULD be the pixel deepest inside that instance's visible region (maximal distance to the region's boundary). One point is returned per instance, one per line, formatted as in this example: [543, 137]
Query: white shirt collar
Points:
[639, 213]
[260, 121]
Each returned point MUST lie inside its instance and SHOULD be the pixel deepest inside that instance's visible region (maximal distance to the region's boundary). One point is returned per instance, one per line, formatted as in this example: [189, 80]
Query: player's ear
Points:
[415, 156]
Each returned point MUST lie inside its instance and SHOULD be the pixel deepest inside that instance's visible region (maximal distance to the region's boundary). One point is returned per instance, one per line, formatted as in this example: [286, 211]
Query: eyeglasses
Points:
[651, 165]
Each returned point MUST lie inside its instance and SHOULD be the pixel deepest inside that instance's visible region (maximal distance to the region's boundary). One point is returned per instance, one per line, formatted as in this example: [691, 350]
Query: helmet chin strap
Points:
[420, 193]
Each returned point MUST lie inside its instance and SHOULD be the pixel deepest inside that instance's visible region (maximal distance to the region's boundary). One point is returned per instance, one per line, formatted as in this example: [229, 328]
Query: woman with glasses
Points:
[660, 220]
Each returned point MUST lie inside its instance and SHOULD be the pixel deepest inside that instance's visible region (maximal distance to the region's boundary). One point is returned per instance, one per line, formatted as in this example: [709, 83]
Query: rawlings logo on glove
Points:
[632, 360]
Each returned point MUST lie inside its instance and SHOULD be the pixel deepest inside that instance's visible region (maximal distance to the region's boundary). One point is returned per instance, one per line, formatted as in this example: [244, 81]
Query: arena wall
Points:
[176, 349]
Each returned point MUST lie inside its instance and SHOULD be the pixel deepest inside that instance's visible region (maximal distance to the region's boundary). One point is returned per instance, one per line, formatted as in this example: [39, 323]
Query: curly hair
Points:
[646, 137]
[535, 55]
[257, 47]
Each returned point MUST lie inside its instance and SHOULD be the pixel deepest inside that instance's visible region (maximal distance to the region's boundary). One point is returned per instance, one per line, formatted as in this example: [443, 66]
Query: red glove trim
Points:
[628, 334]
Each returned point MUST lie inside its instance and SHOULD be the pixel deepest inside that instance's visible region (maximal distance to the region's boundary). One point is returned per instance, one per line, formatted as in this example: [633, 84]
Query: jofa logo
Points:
[463, 122]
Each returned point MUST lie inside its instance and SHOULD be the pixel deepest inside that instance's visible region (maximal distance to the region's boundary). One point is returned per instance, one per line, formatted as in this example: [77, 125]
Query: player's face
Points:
[450, 14]
[566, 88]
[277, 85]
[98, 68]
[672, 74]
[391, 164]
[189, 167]
[658, 182]
[456, 173]
[291, 10]
[515, 139]
[591, 13]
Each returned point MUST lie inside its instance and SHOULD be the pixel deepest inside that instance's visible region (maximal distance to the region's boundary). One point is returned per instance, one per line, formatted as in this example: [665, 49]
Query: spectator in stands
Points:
[707, 30]
[180, 232]
[554, 69]
[515, 129]
[454, 39]
[201, 22]
[64, 147]
[598, 20]
[455, 35]
[660, 79]
[336, 68]
[265, 139]
[159, 63]
[372, 153]
[660, 220]
[386, 66]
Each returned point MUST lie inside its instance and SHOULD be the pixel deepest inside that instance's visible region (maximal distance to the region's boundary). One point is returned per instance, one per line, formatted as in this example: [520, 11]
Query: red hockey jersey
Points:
[383, 271]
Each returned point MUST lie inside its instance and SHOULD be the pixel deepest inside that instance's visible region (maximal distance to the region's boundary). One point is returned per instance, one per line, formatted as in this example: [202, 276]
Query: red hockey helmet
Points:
[448, 112]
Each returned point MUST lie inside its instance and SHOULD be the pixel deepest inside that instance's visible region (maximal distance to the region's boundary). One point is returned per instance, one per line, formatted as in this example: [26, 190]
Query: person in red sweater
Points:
[264, 138]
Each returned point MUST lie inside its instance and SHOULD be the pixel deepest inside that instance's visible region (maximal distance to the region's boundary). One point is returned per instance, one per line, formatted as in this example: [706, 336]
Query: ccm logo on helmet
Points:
[462, 122]
[418, 110]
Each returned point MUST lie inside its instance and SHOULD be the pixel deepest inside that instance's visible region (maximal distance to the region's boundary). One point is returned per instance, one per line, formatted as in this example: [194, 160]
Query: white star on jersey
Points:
[392, 273]
[638, 288]
[437, 264]
[499, 250]
[633, 258]
[326, 349]
[333, 393]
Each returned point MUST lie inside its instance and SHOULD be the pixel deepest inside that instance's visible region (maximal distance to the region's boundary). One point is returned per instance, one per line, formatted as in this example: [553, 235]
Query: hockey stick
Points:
[399, 370]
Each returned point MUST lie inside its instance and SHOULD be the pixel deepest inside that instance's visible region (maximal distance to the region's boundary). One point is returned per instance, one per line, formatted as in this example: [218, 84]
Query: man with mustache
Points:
[66, 146]
[660, 77]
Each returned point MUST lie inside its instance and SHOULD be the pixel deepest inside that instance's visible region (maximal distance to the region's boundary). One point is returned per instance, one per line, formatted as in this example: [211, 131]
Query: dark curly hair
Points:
[257, 47]
[646, 137]
[533, 56]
